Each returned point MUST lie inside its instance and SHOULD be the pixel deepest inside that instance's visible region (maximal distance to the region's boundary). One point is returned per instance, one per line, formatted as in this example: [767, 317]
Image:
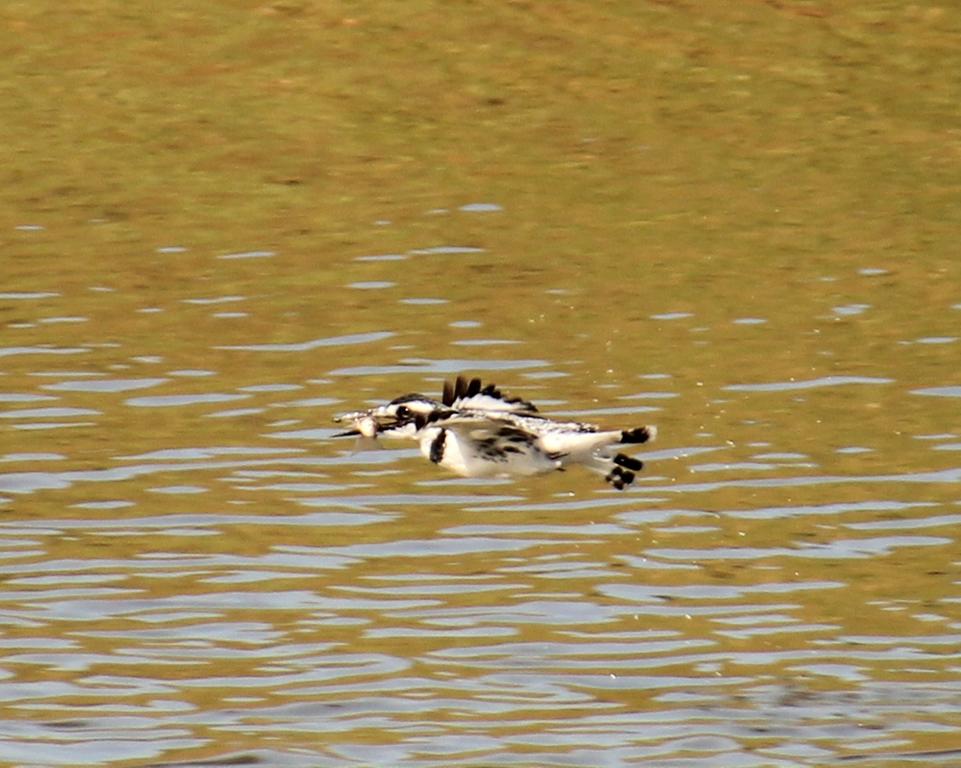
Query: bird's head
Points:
[403, 417]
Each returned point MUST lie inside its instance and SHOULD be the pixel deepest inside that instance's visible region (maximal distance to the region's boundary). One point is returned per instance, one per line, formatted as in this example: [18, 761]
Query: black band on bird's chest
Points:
[437, 446]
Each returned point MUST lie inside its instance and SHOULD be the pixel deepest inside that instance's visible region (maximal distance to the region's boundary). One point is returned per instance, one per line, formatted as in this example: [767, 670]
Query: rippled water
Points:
[195, 572]
[223, 228]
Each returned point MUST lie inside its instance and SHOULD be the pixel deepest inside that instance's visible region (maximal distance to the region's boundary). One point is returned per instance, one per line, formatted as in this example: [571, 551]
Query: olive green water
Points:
[223, 223]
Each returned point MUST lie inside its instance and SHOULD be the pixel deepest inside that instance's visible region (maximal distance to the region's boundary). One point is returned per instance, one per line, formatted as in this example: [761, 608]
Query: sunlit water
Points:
[224, 223]
[194, 571]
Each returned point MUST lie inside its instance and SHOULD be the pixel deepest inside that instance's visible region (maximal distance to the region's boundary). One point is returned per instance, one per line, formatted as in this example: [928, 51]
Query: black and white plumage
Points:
[478, 431]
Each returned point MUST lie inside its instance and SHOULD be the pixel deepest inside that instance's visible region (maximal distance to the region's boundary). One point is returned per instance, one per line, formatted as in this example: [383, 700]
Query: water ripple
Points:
[104, 385]
[306, 346]
[825, 381]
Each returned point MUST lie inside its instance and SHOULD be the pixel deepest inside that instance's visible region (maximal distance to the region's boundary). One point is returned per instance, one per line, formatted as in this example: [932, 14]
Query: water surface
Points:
[225, 225]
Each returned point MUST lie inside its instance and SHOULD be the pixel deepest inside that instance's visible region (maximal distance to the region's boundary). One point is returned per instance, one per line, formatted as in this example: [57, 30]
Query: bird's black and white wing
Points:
[477, 445]
[464, 394]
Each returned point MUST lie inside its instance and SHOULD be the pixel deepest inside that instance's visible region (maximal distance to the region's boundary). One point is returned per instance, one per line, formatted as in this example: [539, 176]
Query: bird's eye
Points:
[403, 412]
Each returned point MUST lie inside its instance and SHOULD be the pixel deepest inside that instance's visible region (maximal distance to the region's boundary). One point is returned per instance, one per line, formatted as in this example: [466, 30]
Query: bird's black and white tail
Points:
[622, 474]
[638, 435]
[621, 469]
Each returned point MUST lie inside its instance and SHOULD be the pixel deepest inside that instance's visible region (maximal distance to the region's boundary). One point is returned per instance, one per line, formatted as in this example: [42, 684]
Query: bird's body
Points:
[477, 431]
[485, 448]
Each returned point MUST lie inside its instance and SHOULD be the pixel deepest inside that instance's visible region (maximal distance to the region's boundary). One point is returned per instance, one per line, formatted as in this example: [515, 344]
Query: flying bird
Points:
[475, 430]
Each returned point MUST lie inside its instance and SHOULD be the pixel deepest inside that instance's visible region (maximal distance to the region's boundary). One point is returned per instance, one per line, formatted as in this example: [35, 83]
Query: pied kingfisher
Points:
[477, 431]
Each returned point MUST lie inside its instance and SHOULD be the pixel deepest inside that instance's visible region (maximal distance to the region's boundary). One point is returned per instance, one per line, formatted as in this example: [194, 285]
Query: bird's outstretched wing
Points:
[479, 425]
[487, 444]
[473, 394]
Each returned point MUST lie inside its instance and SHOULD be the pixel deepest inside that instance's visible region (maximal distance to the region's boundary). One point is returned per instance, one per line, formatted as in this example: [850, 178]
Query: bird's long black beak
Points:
[348, 433]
